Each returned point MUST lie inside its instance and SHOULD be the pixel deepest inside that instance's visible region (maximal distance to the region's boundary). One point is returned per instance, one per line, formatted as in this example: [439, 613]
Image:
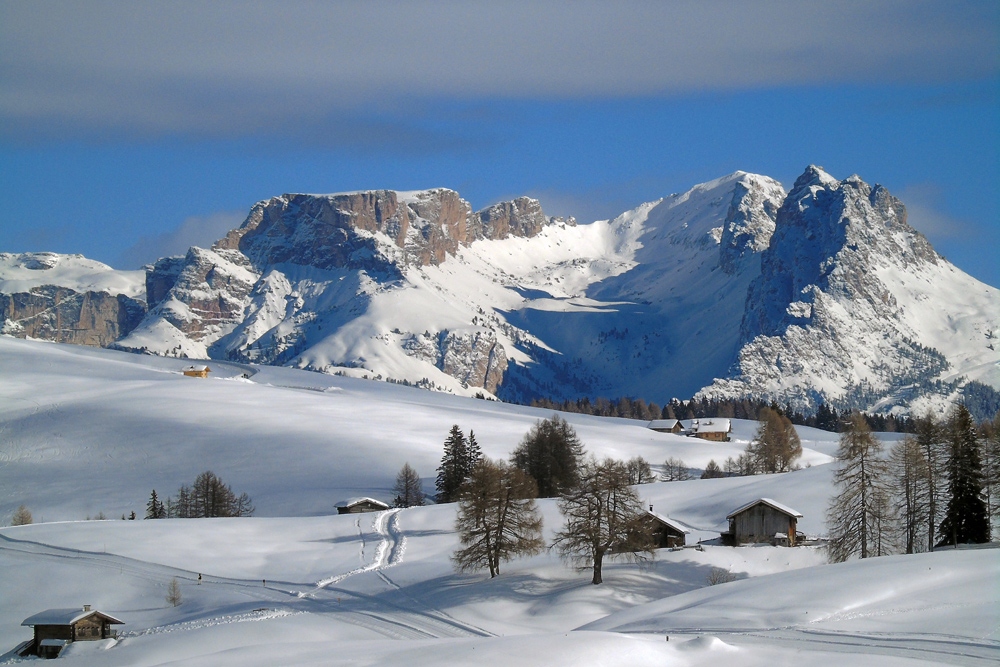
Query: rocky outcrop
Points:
[474, 358]
[63, 315]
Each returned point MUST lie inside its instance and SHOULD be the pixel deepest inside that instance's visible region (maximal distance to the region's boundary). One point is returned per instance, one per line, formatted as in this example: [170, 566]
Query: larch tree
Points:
[776, 445]
[22, 517]
[930, 441]
[173, 593]
[409, 491]
[910, 480]
[712, 471]
[675, 470]
[497, 517]
[856, 516]
[966, 520]
[550, 452]
[602, 515]
[990, 439]
[639, 471]
[454, 468]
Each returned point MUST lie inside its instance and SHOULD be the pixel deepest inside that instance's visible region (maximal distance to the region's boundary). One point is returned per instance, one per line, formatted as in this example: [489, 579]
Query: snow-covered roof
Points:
[197, 367]
[714, 425]
[662, 423]
[65, 616]
[667, 521]
[767, 501]
[351, 502]
[53, 642]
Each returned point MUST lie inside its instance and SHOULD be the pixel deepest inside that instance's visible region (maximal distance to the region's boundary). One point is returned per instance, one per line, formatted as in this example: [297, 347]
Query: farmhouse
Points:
[716, 429]
[666, 532]
[359, 505]
[55, 628]
[665, 426]
[199, 371]
[763, 520]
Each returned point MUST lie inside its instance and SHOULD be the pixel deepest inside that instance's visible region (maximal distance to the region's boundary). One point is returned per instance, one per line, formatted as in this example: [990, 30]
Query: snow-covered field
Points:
[84, 431]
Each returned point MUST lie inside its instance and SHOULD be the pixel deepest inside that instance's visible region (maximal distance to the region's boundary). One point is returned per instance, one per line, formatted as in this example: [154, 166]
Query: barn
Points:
[763, 520]
[55, 628]
[360, 505]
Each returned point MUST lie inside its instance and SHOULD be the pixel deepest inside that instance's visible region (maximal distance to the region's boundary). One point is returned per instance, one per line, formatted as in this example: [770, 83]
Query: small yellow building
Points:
[197, 371]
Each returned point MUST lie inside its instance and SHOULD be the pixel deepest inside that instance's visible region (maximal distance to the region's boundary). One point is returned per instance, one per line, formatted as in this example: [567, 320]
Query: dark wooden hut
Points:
[55, 628]
[666, 532]
[359, 505]
[763, 520]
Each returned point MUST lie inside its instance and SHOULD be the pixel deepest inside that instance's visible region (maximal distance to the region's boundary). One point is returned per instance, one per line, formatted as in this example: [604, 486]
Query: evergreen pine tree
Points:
[473, 453]
[550, 452]
[966, 520]
[154, 508]
[454, 466]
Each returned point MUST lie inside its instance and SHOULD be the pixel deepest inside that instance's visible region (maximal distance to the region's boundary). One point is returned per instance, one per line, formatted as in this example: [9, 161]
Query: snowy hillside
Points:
[85, 430]
[22, 272]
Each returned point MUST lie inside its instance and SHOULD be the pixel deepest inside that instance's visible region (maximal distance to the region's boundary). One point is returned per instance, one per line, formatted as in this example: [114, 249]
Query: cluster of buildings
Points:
[761, 521]
[716, 429]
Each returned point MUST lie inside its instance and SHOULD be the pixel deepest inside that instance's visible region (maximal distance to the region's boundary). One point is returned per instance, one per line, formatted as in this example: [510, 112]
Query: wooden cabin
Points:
[197, 371]
[360, 505]
[665, 426]
[716, 429]
[762, 521]
[666, 532]
[55, 628]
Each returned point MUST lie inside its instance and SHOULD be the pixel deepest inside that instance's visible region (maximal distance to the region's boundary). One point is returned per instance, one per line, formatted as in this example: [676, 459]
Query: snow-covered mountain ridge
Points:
[731, 289]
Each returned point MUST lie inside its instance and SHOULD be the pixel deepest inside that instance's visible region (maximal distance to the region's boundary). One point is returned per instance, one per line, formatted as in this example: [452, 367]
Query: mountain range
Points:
[735, 288]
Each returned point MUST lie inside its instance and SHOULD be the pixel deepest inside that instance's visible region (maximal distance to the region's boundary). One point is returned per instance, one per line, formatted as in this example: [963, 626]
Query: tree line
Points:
[826, 417]
[207, 497]
[938, 486]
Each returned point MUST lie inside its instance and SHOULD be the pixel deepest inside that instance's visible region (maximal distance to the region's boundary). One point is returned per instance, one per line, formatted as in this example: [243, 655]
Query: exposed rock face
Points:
[475, 359]
[208, 292]
[63, 315]
[161, 277]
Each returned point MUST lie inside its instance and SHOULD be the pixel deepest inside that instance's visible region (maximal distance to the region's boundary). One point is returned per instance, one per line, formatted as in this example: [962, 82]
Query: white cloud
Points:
[198, 230]
[233, 67]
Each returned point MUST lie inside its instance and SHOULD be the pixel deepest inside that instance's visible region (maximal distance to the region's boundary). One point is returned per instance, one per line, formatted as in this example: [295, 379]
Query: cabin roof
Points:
[662, 423]
[351, 502]
[767, 501]
[197, 367]
[66, 617]
[667, 521]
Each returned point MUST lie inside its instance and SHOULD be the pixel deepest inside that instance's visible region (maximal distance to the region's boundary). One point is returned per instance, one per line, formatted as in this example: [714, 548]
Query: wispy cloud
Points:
[235, 68]
[925, 209]
[198, 230]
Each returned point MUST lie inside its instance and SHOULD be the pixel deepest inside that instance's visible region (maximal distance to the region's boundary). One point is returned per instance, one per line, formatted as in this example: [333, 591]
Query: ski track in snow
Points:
[406, 618]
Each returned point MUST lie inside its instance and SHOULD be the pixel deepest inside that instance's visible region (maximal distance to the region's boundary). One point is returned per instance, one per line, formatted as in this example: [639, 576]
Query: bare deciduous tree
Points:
[856, 517]
[602, 515]
[909, 475]
[409, 492]
[22, 517]
[674, 470]
[639, 471]
[173, 593]
[719, 575]
[497, 517]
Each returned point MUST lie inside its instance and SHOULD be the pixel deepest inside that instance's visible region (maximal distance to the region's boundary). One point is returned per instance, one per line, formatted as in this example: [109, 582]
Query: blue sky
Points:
[129, 131]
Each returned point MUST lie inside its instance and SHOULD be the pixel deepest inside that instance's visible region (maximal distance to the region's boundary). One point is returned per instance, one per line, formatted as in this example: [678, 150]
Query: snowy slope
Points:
[22, 272]
[85, 430]
[123, 424]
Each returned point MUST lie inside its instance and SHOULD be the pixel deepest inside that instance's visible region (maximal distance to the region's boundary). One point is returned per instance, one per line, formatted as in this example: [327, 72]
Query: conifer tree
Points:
[473, 452]
[154, 508]
[856, 517]
[965, 518]
[550, 452]
[928, 434]
[910, 480]
[454, 466]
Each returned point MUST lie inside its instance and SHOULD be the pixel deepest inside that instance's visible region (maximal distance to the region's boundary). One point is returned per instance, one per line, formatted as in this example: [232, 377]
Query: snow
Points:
[64, 616]
[767, 501]
[86, 430]
[22, 272]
